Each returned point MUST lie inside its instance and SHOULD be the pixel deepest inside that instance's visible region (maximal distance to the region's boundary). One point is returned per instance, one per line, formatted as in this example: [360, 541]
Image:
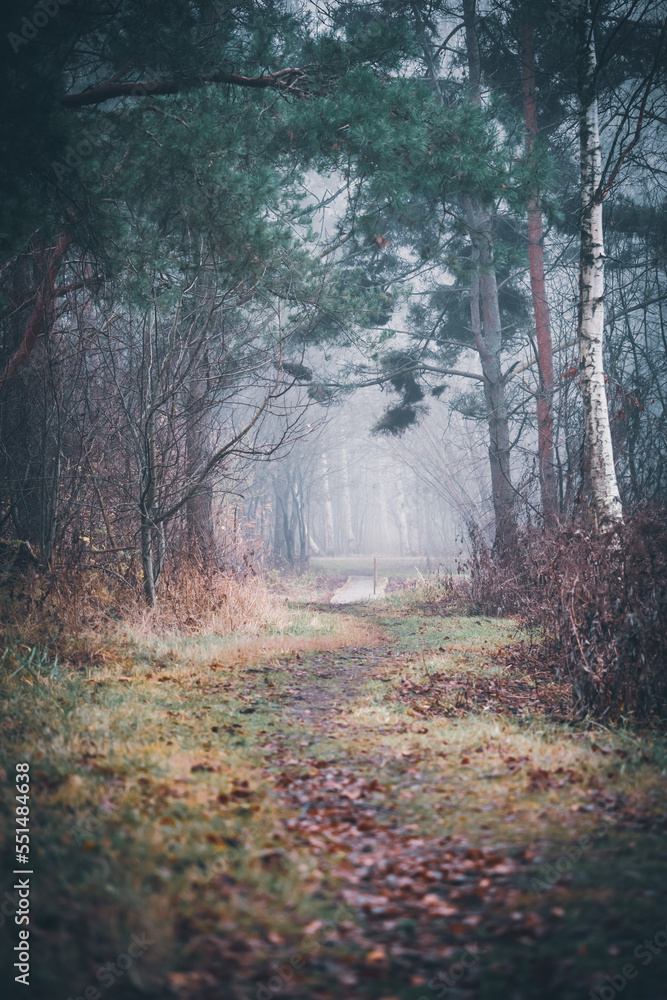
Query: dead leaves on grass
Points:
[389, 874]
[454, 695]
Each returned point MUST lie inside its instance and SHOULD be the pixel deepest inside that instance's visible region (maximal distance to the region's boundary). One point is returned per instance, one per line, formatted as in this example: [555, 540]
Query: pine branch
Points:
[283, 80]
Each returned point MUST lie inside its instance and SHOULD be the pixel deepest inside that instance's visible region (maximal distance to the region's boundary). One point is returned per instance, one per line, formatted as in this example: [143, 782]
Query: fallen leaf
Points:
[376, 956]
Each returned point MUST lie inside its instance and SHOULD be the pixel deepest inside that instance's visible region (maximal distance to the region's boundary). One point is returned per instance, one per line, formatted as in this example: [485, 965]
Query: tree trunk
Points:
[300, 517]
[487, 329]
[384, 544]
[348, 530]
[278, 534]
[147, 508]
[147, 560]
[548, 486]
[42, 313]
[199, 508]
[288, 526]
[605, 498]
[199, 520]
[420, 516]
[401, 515]
[328, 508]
[487, 338]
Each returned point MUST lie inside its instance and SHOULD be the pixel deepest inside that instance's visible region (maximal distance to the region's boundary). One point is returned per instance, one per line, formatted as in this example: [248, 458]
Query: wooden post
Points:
[375, 573]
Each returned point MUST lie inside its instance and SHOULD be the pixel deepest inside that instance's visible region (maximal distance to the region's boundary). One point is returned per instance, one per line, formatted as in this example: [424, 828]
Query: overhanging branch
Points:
[284, 80]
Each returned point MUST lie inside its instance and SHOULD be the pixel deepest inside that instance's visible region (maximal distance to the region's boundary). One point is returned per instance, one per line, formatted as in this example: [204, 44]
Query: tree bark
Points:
[147, 509]
[605, 498]
[384, 546]
[40, 317]
[199, 507]
[487, 328]
[300, 516]
[328, 508]
[284, 80]
[348, 530]
[278, 533]
[150, 592]
[548, 486]
[288, 525]
[487, 339]
[402, 516]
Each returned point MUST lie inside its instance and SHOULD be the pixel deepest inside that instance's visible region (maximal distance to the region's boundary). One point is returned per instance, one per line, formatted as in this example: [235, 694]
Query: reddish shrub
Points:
[601, 601]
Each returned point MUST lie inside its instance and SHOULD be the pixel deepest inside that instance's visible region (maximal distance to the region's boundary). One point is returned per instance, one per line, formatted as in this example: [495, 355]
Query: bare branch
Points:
[283, 80]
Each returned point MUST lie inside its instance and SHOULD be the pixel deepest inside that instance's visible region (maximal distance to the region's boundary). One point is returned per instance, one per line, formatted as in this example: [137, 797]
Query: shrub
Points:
[72, 609]
[601, 601]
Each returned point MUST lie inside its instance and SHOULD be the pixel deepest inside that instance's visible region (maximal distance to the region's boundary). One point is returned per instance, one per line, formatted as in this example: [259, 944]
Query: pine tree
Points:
[437, 190]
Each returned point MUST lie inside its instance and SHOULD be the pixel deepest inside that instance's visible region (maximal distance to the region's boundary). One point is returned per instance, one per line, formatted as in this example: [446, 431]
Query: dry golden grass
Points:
[73, 612]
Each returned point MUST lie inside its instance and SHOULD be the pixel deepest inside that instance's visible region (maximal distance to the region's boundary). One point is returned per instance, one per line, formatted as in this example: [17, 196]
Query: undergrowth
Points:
[601, 602]
[73, 611]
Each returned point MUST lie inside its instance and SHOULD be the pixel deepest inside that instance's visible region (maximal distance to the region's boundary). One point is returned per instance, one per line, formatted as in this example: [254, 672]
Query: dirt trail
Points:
[412, 900]
[359, 588]
[377, 802]
[337, 682]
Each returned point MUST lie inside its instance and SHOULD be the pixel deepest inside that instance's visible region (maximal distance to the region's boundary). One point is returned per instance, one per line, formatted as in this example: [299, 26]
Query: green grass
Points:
[138, 804]
[468, 636]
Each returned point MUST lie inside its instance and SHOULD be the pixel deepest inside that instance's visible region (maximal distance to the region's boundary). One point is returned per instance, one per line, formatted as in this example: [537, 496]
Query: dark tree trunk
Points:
[42, 312]
[199, 508]
[487, 329]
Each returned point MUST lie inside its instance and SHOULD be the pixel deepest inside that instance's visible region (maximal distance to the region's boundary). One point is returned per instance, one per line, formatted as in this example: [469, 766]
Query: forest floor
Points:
[385, 801]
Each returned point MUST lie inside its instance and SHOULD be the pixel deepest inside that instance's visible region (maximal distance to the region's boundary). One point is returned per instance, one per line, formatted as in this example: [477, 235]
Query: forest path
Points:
[430, 791]
[378, 797]
[359, 588]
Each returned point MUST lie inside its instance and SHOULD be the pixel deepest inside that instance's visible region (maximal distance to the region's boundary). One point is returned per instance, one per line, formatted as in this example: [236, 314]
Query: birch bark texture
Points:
[605, 498]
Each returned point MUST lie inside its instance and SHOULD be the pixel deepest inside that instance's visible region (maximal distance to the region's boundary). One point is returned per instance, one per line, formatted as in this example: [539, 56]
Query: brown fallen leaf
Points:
[539, 780]
[185, 983]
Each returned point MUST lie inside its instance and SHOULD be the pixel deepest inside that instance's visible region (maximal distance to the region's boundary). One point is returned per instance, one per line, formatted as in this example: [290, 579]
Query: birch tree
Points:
[605, 497]
[598, 176]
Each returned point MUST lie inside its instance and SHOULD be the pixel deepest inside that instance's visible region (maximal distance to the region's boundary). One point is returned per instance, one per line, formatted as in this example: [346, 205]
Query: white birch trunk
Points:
[605, 498]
